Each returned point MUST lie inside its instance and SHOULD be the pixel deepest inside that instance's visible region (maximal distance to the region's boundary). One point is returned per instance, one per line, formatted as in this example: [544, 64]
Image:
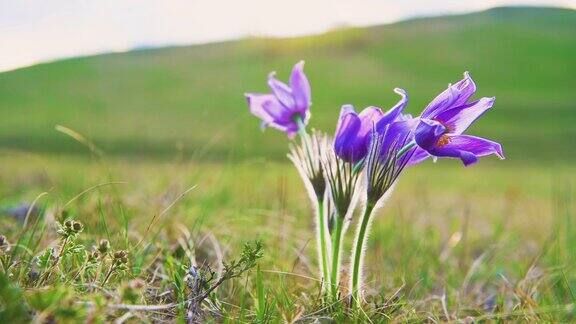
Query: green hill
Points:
[155, 102]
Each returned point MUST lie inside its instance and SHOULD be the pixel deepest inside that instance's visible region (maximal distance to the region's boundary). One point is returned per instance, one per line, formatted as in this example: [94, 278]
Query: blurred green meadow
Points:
[158, 102]
[492, 241]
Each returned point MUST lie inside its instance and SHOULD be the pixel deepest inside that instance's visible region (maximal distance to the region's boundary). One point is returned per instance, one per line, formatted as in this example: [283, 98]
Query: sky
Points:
[34, 31]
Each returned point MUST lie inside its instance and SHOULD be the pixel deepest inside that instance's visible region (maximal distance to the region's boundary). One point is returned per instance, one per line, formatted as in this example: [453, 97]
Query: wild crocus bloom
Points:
[287, 108]
[353, 129]
[445, 119]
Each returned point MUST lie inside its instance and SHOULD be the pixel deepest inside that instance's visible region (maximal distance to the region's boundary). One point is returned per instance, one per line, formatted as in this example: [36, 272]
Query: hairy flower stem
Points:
[336, 245]
[323, 252]
[303, 134]
[358, 256]
[320, 221]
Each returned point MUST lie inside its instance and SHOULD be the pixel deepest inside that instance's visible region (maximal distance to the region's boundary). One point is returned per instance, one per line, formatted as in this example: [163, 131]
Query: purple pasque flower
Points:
[398, 140]
[354, 130]
[288, 106]
[443, 122]
[396, 134]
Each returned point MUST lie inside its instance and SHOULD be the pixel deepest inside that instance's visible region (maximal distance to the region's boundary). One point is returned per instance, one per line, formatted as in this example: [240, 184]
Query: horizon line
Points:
[335, 28]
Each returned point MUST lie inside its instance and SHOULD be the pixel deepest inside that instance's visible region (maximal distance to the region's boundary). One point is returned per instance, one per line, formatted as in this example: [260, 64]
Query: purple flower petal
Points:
[418, 156]
[458, 119]
[427, 133]
[456, 95]
[398, 134]
[281, 91]
[368, 118]
[447, 117]
[445, 151]
[477, 145]
[300, 87]
[346, 143]
[273, 114]
[396, 111]
[256, 102]
[467, 148]
[282, 108]
[404, 117]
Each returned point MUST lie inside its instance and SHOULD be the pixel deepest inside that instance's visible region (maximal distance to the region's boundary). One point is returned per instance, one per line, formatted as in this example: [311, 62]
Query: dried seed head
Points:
[77, 227]
[104, 246]
[121, 257]
[69, 228]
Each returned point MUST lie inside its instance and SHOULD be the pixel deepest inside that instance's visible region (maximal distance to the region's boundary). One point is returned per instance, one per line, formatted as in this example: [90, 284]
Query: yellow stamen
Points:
[443, 140]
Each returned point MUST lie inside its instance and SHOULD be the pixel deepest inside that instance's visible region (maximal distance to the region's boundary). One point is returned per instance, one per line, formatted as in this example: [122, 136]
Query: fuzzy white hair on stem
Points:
[343, 189]
[382, 169]
[306, 157]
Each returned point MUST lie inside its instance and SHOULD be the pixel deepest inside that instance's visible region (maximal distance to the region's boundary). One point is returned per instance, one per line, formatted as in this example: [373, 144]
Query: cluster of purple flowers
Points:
[367, 154]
